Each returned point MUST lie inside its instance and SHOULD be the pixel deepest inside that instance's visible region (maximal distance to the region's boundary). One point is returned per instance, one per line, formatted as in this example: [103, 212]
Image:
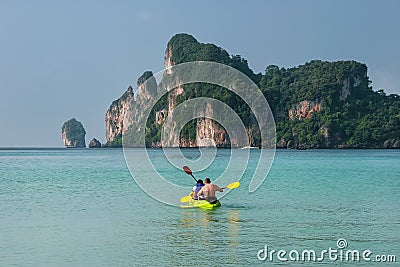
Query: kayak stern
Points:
[202, 204]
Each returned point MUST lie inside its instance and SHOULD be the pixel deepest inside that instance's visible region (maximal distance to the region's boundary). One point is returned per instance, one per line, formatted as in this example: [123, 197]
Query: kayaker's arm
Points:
[200, 192]
[216, 187]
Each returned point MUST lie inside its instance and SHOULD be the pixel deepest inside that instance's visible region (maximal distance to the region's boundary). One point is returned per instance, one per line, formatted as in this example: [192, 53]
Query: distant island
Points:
[316, 105]
[73, 134]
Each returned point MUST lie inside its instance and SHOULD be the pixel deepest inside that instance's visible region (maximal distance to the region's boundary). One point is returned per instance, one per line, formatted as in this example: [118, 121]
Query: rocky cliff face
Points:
[348, 84]
[127, 110]
[304, 109]
[118, 118]
[174, 140]
[73, 134]
[209, 134]
[168, 63]
[160, 116]
[124, 112]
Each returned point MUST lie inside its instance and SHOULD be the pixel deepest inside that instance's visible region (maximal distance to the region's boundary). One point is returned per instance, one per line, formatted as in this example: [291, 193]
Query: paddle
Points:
[189, 171]
[232, 185]
[186, 199]
[229, 186]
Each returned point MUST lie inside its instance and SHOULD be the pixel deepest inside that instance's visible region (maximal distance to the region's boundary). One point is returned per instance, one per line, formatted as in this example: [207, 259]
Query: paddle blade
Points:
[187, 170]
[186, 199]
[233, 185]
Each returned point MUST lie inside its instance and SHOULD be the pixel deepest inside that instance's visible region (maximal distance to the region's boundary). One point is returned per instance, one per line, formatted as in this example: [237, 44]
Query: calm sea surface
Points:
[82, 208]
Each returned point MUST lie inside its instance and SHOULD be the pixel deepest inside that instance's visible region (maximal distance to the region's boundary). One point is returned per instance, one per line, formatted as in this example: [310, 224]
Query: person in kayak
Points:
[196, 189]
[208, 191]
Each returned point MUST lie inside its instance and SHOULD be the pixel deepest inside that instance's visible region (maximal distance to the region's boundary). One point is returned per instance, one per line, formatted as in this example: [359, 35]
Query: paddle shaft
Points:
[193, 177]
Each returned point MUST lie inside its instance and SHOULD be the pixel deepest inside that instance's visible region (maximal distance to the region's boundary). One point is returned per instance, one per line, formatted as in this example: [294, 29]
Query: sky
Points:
[71, 59]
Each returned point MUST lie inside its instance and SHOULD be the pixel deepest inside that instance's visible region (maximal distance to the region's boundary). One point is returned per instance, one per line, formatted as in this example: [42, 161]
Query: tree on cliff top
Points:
[185, 48]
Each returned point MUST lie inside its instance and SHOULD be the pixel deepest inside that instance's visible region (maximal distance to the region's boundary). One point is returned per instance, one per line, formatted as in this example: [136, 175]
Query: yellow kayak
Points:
[202, 204]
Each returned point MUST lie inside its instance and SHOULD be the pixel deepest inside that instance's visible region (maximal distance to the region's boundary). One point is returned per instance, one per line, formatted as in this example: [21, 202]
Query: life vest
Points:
[198, 187]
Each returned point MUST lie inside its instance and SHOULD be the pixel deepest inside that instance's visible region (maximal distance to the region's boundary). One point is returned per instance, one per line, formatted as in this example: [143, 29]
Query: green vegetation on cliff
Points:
[345, 111]
[117, 142]
[185, 48]
[316, 105]
[351, 114]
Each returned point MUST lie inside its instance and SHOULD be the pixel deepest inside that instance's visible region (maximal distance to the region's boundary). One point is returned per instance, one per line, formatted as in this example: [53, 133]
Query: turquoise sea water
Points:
[82, 208]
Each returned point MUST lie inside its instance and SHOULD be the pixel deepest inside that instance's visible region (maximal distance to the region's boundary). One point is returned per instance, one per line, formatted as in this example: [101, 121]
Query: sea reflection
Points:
[204, 218]
[205, 231]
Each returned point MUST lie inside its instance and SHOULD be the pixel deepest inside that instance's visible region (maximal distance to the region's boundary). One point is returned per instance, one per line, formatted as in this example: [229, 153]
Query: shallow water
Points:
[82, 208]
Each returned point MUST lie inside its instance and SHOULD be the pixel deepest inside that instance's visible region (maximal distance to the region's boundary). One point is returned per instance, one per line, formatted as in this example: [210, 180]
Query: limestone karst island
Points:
[316, 105]
[73, 134]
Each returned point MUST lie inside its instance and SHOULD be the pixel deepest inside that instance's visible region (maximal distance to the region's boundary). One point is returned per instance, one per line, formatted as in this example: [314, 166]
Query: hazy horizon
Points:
[72, 59]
